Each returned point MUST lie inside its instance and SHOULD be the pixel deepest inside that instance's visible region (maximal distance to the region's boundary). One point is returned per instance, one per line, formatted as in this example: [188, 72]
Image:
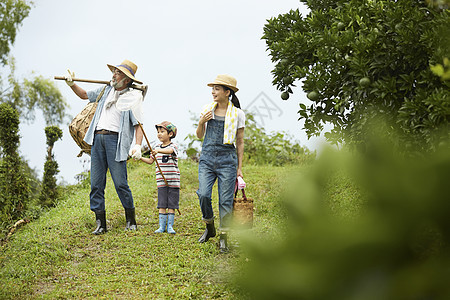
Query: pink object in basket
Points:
[240, 184]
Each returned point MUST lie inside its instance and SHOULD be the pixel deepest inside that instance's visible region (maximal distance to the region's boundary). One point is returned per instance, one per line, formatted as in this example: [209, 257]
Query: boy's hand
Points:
[154, 152]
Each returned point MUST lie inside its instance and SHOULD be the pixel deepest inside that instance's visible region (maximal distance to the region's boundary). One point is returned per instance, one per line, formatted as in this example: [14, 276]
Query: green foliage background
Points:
[260, 147]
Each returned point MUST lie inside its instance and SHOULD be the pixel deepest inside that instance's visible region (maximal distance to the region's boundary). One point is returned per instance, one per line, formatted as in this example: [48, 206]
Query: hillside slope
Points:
[58, 257]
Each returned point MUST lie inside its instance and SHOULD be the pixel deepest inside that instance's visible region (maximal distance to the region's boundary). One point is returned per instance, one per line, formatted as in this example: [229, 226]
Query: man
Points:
[111, 134]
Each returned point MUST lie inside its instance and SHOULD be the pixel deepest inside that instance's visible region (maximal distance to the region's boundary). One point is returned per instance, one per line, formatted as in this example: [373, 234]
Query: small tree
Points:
[49, 192]
[14, 187]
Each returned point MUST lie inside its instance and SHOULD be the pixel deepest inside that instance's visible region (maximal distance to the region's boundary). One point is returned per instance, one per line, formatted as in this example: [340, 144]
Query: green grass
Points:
[56, 256]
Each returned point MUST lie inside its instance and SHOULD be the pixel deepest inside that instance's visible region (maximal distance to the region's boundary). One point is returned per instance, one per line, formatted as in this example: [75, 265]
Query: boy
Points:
[168, 195]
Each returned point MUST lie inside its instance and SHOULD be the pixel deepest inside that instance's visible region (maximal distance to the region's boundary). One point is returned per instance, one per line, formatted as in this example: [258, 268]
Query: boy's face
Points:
[163, 135]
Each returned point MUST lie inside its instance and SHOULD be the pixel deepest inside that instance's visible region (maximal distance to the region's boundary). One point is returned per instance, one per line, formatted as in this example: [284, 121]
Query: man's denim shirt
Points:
[126, 127]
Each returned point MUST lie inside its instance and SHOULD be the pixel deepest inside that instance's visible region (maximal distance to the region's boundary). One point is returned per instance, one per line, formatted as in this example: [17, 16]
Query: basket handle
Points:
[243, 194]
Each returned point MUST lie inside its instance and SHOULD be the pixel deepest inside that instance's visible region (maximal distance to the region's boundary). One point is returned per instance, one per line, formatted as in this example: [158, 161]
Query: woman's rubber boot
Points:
[223, 243]
[209, 232]
[130, 218]
[170, 221]
[100, 218]
[162, 223]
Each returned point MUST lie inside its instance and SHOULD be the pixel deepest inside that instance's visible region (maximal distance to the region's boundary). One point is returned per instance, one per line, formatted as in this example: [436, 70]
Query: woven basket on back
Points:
[80, 124]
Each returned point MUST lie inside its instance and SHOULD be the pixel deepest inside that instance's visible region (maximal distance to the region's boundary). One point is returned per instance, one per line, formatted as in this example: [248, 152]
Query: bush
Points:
[274, 149]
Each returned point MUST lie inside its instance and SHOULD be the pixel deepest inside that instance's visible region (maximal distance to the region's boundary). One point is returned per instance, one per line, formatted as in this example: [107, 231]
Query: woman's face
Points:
[219, 93]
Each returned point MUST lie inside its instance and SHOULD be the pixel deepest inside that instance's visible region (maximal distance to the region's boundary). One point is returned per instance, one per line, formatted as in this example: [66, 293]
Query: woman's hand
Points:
[205, 118]
[202, 124]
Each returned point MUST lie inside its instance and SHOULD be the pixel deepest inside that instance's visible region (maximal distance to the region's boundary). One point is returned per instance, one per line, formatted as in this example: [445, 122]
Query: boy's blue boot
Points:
[162, 223]
[170, 221]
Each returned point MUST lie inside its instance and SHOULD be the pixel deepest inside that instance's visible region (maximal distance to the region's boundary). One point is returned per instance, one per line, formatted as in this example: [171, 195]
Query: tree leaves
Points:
[12, 13]
[35, 93]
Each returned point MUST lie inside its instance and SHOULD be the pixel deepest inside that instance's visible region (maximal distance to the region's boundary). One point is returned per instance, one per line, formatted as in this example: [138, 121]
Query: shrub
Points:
[49, 192]
[14, 186]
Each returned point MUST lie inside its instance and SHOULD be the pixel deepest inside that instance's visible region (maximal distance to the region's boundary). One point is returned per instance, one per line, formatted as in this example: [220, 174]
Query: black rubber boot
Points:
[209, 232]
[130, 218]
[101, 223]
[223, 243]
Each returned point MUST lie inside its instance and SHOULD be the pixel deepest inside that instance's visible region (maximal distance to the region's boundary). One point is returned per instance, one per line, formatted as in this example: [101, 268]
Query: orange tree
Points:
[361, 60]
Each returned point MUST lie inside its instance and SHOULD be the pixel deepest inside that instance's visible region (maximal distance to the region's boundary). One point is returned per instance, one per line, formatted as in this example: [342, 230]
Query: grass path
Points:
[58, 257]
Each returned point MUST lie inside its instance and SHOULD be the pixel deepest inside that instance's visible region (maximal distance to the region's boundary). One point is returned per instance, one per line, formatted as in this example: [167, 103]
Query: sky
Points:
[178, 46]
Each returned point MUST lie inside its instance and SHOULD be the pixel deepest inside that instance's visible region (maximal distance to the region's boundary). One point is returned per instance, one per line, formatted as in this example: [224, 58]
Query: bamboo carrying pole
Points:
[143, 88]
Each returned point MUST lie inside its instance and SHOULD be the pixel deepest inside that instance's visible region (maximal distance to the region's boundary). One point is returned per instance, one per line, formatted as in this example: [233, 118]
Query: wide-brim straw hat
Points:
[128, 68]
[225, 80]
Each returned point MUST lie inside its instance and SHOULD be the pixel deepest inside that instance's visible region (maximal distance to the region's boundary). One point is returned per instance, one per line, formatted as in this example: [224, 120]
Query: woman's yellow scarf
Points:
[231, 121]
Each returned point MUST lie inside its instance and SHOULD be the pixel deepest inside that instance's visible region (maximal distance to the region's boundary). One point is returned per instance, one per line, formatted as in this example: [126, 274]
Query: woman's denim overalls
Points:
[217, 160]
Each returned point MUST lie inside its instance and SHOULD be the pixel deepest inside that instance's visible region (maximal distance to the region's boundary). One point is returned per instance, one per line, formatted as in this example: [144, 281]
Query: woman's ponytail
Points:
[234, 99]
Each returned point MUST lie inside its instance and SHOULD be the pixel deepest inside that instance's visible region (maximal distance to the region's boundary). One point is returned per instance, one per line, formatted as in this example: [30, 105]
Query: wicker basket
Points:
[79, 126]
[243, 210]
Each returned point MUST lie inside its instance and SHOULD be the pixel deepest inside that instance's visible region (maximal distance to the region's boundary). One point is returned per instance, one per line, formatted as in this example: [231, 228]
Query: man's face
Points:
[119, 80]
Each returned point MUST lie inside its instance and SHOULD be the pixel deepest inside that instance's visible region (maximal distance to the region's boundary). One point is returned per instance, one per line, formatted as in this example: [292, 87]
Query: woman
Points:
[222, 125]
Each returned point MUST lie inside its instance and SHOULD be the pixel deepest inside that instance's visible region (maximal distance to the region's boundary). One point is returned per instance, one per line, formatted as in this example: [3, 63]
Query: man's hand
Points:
[135, 152]
[69, 78]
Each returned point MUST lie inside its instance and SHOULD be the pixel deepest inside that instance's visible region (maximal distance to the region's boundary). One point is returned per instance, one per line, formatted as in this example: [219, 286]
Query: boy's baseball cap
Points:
[168, 126]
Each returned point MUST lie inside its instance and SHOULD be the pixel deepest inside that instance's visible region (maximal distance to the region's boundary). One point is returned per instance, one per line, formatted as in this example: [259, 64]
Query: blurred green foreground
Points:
[392, 242]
